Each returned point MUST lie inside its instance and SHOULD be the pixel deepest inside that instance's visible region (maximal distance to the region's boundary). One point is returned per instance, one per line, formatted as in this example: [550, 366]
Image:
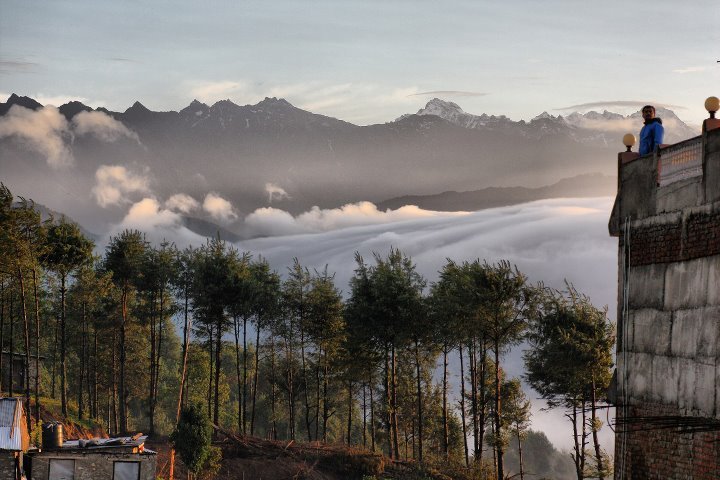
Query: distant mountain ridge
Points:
[584, 127]
[587, 185]
[237, 151]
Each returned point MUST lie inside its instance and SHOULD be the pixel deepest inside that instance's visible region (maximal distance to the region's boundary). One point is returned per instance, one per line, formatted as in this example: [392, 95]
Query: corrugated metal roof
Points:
[11, 424]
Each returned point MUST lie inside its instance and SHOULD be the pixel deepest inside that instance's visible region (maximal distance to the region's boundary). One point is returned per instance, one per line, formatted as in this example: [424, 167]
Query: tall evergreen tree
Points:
[67, 251]
[124, 258]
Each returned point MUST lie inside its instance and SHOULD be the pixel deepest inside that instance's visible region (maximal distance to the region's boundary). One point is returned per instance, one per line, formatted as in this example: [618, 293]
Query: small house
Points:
[123, 458]
[14, 438]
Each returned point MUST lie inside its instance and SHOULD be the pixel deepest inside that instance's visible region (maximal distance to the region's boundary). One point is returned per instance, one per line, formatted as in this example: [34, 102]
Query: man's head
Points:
[648, 112]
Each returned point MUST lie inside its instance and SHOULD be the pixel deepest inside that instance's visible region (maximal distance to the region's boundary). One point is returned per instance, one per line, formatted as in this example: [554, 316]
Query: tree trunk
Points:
[11, 370]
[462, 406]
[63, 367]
[326, 408]
[245, 375]
[26, 335]
[153, 356]
[576, 440]
[304, 379]
[95, 372]
[83, 346]
[159, 349]
[2, 331]
[388, 398]
[37, 346]
[584, 435]
[273, 431]
[218, 347]
[364, 416]
[317, 394]
[394, 402]
[522, 473]
[256, 374]
[240, 386]
[372, 417]
[349, 413]
[186, 342]
[446, 430]
[123, 359]
[596, 442]
[419, 402]
[498, 413]
[483, 393]
[54, 356]
[477, 439]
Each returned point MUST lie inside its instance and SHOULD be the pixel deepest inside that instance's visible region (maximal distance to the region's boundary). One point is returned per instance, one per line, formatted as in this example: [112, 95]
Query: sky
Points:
[366, 61]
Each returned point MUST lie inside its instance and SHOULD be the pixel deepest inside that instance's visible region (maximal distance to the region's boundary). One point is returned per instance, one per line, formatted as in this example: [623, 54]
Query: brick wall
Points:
[644, 453]
[694, 236]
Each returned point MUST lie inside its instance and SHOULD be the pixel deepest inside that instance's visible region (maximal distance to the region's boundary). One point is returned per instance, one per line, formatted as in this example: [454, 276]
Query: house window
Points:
[126, 471]
[61, 469]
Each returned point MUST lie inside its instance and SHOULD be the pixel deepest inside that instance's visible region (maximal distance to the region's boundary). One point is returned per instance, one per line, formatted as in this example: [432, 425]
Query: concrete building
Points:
[667, 391]
[98, 459]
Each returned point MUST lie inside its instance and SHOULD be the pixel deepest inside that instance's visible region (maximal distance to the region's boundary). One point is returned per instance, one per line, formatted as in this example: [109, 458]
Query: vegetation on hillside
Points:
[133, 336]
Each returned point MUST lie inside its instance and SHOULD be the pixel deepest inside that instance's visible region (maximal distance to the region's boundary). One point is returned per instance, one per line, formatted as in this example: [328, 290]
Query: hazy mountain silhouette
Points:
[587, 185]
[237, 150]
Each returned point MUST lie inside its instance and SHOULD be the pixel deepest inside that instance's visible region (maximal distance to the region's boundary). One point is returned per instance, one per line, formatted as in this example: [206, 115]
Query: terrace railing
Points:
[680, 161]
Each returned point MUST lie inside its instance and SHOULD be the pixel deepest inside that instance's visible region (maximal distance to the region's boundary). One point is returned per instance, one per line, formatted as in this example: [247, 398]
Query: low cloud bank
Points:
[549, 240]
[275, 222]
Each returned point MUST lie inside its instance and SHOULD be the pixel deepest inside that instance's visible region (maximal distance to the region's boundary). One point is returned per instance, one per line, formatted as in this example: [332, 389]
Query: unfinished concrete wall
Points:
[668, 358]
[92, 465]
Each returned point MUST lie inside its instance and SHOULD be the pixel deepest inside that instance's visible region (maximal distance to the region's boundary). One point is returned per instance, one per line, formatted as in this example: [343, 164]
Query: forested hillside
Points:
[129, 337]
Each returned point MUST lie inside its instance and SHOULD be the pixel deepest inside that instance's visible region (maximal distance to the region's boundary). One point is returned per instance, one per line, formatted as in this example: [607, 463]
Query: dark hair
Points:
[648, 106]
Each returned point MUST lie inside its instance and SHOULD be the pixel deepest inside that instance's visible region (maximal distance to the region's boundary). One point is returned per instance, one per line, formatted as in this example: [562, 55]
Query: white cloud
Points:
[689, 70]
[219, 208]
[113, 183]
[272, 221]
[157, 223]
[275, 192]
[101, 126]
[44, 131]
[210, 92]
[182, 203]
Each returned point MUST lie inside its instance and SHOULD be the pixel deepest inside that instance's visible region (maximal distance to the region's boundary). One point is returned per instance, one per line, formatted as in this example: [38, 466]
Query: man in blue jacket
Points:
[652, 132]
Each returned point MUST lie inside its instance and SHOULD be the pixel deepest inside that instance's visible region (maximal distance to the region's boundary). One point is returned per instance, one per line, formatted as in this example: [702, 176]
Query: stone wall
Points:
[668, 357]
[92, 466]
[7, 465]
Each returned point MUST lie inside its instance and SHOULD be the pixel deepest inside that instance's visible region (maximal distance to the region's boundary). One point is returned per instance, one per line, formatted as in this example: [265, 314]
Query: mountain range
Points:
[243, 152]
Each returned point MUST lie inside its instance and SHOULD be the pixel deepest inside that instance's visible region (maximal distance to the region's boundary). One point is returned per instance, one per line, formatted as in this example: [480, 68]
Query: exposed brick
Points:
[653, 453]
